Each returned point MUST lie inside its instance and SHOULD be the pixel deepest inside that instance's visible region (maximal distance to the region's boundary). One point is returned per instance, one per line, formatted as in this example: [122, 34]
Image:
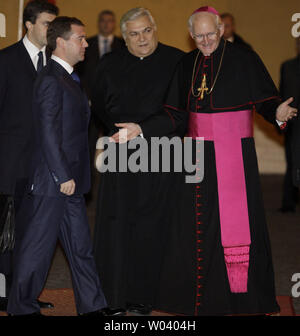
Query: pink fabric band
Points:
[207, 9]
[226, 131]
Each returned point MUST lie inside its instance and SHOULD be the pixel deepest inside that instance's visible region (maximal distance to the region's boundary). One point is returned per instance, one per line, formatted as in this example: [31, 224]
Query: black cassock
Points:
[194, 279]
[133, 208]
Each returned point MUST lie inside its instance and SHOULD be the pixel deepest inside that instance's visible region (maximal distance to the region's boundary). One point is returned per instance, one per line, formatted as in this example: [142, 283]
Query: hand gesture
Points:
[128, 132]
[285, 112]
[68, 188]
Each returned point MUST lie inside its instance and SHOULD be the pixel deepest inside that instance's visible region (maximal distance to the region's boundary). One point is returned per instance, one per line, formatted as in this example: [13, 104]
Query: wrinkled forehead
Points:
[204, 23]
[139, 24]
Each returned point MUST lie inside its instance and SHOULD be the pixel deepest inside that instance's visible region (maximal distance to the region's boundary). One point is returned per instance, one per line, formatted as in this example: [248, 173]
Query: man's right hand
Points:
[68, 188]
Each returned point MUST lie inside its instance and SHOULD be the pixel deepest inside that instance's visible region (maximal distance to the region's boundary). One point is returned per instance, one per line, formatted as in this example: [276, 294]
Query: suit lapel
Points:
[71, 82]
[25, 59]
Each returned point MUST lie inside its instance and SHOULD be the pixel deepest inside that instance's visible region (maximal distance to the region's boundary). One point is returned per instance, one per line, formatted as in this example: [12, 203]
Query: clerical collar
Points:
[141, 58]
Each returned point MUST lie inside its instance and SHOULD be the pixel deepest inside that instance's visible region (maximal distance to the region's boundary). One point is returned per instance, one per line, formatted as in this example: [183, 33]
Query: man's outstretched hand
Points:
[128, 132]
[285, 112]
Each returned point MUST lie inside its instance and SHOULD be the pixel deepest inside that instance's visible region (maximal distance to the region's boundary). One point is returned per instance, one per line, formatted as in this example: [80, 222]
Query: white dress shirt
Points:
[101, 39]
[63, 63]
[33, 52]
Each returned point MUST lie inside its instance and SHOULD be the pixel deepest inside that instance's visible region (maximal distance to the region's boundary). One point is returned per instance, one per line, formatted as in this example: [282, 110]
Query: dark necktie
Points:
[40, 63]
[105, 49]
[75, 77]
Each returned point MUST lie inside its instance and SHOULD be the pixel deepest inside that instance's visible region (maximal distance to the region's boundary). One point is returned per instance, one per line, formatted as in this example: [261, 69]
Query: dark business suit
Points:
[87, 70]
[290, 87]
[17, 76]
[61, 116]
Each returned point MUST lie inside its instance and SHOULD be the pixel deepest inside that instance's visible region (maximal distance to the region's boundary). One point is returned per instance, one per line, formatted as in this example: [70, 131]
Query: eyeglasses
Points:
[209, 36]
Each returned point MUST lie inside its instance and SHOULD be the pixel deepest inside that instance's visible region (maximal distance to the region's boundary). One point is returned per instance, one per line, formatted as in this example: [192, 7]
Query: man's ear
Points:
[28, 25]
[60, 42]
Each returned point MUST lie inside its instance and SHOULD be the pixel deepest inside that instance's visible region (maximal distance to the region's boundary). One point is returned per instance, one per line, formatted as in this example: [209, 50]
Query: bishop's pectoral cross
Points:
[203, 87]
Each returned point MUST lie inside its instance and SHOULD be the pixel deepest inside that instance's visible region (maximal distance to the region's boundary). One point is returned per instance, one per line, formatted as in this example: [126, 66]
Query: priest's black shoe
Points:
[45, 305]
[287, 210]
[139, 308]
[106, 312]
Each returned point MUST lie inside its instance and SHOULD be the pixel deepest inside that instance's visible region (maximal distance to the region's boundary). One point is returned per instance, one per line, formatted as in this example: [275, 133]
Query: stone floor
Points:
[284, 234]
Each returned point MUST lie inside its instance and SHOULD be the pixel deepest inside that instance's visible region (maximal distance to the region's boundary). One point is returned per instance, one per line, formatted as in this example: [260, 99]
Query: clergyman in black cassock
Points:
[132, 210]
[219, 256]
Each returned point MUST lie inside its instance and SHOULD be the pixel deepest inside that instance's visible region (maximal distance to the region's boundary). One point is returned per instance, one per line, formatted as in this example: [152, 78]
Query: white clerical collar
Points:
[231, 39]
[63, 63]
[33, 50]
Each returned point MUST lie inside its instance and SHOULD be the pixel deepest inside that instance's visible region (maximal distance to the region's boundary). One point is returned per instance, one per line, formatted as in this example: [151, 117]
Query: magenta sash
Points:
[226, 131]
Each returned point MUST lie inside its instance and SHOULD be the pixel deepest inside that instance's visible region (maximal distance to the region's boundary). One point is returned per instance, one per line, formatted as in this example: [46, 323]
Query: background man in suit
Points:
[100, 44]
[19, 65]
[290, 87]
[229, 30]
[60, 176]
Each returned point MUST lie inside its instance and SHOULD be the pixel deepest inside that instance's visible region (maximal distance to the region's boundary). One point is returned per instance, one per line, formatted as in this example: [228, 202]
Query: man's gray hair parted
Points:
[133, 14]
[192, 17]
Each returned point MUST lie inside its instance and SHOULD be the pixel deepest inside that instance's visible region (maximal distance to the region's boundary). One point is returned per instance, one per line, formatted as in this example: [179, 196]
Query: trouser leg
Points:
[76, 241]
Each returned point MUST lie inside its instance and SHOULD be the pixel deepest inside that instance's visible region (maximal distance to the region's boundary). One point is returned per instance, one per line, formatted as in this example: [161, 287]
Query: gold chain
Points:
[214, 83]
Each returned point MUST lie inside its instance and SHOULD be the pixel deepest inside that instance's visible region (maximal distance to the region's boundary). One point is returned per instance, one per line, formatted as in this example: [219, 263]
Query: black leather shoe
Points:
[106, 312]
[3, 304]
[113, 312]
[287, 210]
[45, 305]
[139, 308]
[39, 314]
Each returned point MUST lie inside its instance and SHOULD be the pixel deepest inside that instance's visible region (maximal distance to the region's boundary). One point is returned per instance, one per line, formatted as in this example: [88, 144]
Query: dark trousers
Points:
[290, 192]
[48, 219]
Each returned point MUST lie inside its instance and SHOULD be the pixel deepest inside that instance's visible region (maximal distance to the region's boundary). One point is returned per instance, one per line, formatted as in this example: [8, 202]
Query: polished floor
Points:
[284, 234]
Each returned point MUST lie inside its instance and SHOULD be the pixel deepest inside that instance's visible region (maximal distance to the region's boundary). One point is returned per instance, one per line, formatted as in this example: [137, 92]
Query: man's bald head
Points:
[206, 29]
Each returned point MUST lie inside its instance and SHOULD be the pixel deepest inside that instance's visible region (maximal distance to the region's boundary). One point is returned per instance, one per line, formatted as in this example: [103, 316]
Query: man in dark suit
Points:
[100, 44]
[55, 206]
[19, 65]
[229, 31]
[290, 86]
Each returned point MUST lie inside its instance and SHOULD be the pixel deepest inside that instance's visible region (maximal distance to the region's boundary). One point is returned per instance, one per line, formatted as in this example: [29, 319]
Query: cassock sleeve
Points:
[100, 97]
[172, 119]
[264, 93]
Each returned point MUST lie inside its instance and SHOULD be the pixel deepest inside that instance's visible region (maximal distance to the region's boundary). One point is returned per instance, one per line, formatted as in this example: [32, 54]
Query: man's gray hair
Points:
[133, 14]
[192, 17]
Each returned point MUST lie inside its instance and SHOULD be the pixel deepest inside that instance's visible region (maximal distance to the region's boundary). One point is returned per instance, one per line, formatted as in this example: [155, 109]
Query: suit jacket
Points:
[87, 68]
[17, 76]
[240, 41]
[61, 116]
[290, 87]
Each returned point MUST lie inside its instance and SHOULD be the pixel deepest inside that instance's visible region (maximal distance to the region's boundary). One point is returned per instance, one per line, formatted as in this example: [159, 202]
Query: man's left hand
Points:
[128, 132]
[285, 112]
